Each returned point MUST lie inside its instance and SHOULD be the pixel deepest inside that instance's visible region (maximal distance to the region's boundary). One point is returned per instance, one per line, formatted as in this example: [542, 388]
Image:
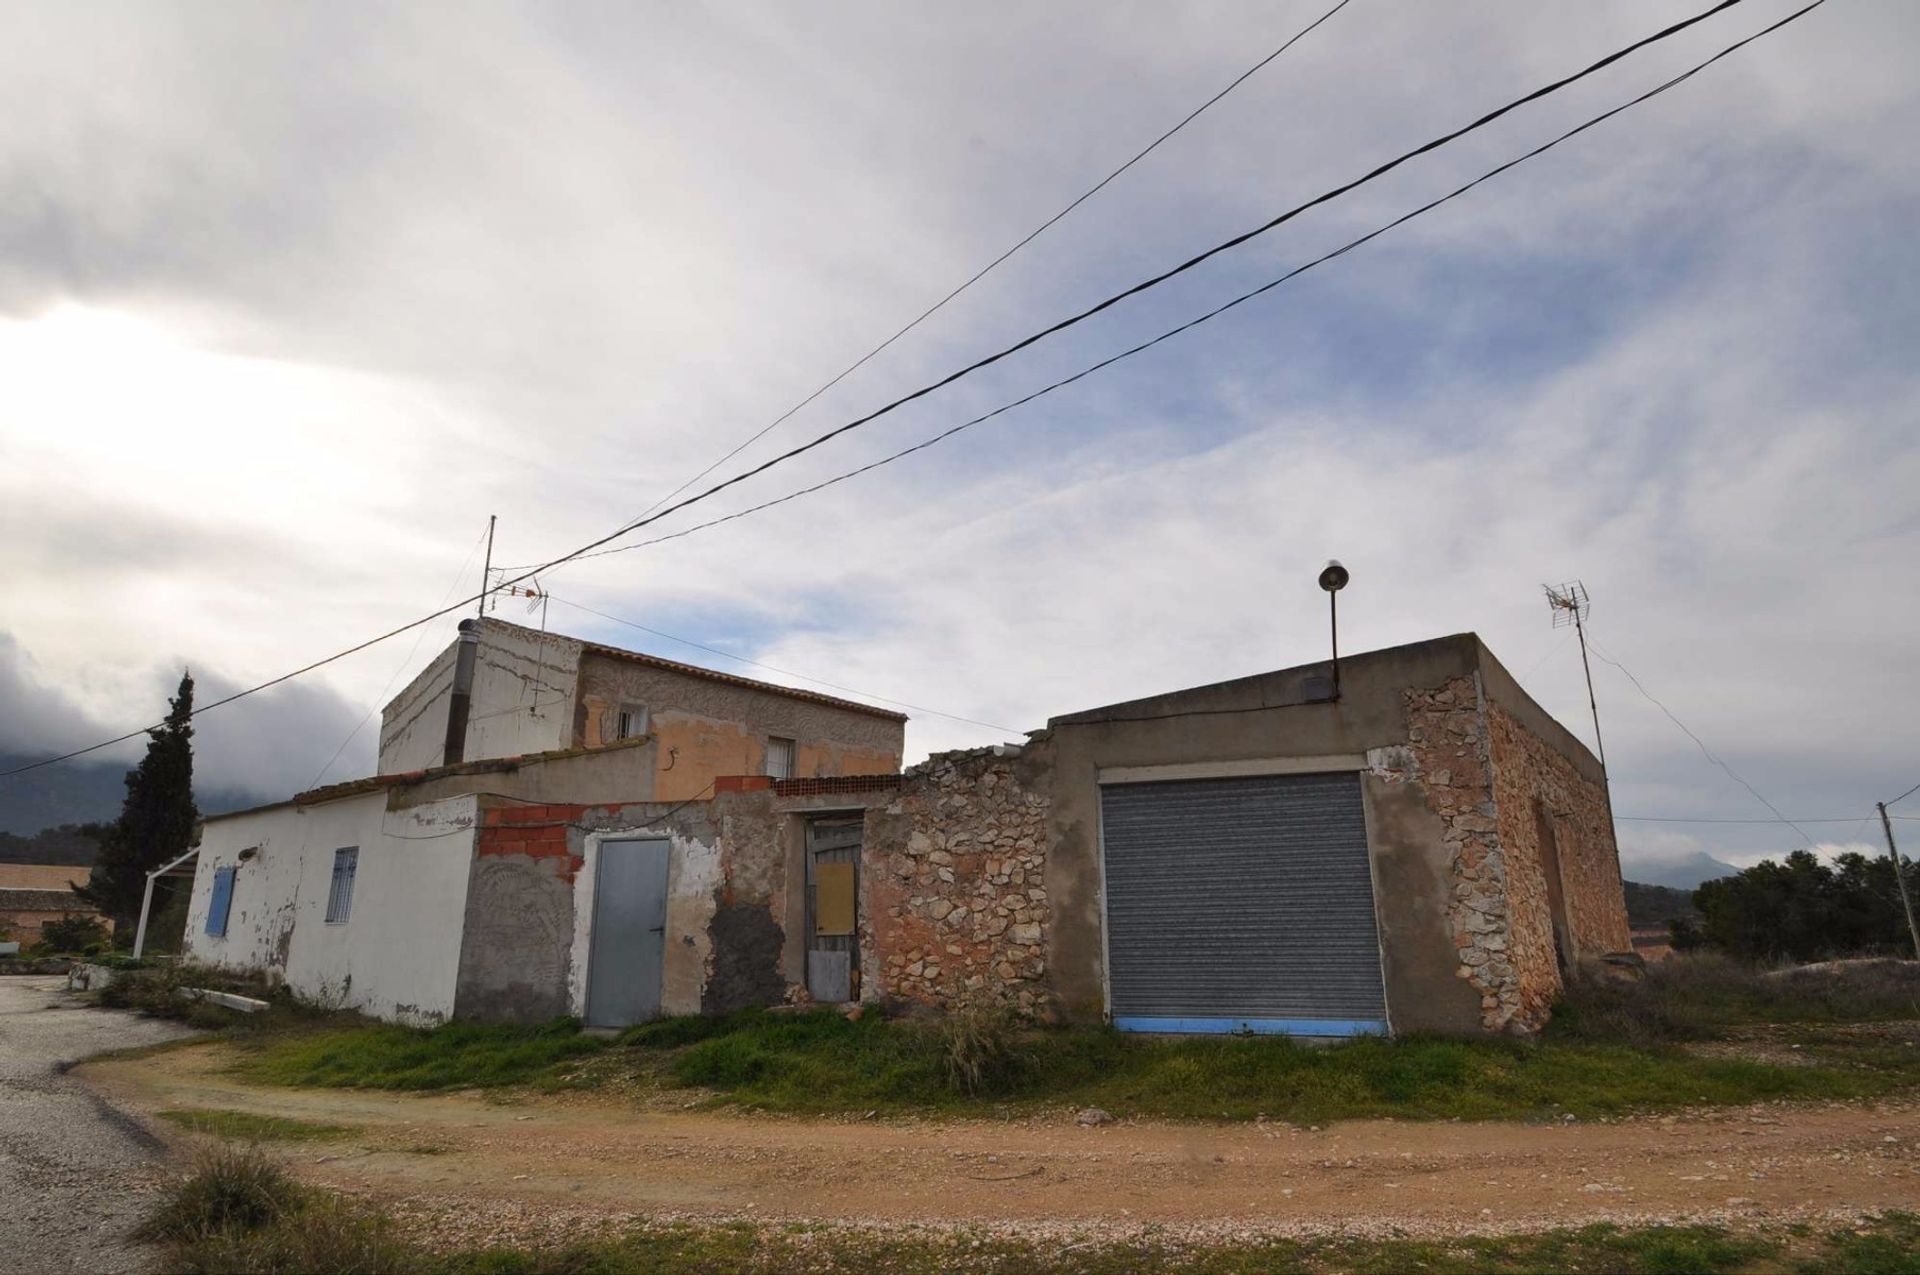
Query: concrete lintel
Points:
[1233, 769]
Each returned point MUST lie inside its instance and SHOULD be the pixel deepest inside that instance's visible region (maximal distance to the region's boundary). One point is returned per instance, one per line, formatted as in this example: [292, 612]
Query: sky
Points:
[293, 297]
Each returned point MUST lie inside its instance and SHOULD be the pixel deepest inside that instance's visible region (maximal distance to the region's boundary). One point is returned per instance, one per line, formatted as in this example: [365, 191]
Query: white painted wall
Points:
[523, 693]
[397, 956]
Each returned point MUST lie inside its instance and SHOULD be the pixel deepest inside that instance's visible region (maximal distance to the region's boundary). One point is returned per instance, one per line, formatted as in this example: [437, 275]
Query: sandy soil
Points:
[493, 1169]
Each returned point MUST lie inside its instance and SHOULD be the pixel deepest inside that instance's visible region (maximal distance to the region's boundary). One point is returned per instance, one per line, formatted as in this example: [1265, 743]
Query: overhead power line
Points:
[1903, 796]
[1685, 819]
[587, 549]
[991, 266]
[1158, 279]
[821, 681]
[1699, 743]
[1214, 313]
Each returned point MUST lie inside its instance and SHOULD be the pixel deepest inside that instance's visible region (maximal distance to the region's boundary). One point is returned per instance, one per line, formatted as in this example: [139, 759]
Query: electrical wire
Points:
[1903, 796]
[1698, 742]
[587, 549]
[1679, 819]
[987, 269]
[400, 668]
[714, 650]
[597, 552]
[1155, 281]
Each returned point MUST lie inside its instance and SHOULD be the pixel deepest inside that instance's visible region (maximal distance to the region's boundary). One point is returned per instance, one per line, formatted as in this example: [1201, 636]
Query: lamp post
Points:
[1333, 578]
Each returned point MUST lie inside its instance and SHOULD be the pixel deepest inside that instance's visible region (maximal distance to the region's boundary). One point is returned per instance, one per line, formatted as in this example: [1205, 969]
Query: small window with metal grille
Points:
[780, 757]
[340, 894]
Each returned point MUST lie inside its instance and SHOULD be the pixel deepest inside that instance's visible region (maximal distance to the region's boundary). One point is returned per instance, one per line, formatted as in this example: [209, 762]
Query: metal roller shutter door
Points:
[1241, 904]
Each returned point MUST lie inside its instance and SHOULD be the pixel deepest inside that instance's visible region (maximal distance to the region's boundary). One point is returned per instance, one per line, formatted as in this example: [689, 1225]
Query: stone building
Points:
[502, 690]
[1415, 847]
[426, 891]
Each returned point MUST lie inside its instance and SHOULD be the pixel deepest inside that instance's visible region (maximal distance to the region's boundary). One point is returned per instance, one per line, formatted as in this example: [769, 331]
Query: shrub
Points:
[977, 1049]
[1802, 909]
[231, 1188]
[73, 935]
[1695, 996]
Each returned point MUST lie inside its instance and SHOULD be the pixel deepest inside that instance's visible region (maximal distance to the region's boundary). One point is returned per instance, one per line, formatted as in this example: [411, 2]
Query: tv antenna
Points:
[1570, 606]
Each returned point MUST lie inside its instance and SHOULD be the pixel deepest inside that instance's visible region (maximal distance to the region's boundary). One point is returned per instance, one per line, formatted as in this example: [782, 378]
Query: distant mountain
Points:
[72, 845]
[1685, 873]
[81, 792]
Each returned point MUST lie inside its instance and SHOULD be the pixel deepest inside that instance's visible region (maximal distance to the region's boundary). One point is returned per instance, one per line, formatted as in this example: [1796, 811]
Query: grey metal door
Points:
[629, 933]
[833, 929]
[1242, 904]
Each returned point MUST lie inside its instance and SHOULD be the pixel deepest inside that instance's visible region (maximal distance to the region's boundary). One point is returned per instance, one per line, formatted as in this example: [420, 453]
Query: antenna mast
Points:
[486, 572]
[1570, 606]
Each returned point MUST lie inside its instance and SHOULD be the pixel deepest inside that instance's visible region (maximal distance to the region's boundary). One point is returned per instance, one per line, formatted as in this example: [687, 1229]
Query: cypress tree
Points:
[157, 819]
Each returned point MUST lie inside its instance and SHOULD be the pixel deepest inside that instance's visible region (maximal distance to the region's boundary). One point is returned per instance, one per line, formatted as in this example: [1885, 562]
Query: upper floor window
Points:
[780, 757]
[340, 894]
[630, 722]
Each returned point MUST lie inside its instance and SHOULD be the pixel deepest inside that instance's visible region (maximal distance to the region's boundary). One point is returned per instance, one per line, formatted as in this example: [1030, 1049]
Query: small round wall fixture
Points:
[1333, 576]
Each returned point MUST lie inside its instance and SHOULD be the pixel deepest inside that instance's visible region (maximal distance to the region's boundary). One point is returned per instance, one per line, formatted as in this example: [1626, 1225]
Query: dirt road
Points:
[565, 1161]
[74, 1172]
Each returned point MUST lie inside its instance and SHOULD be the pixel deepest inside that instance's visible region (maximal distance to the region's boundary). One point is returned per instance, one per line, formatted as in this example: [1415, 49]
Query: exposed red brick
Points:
[834, 784]
[742, 783]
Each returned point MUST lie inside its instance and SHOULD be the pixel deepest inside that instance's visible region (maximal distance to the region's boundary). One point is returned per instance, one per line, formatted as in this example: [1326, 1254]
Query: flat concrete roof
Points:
[1468, 643]
[711, 675]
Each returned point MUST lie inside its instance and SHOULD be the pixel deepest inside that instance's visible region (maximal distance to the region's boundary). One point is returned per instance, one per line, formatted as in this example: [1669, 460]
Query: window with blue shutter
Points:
[340, 894]
[221, 903]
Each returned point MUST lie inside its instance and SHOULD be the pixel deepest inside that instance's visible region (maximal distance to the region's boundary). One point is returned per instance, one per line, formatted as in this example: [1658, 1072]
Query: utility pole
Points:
[1570, 606]
[1900, 877]
[486, 572]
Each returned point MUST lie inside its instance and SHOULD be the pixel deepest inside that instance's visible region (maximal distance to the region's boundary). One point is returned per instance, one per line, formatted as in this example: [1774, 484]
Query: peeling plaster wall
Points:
[529, 908]
[705, 728]
[396, 955]
[523, 692]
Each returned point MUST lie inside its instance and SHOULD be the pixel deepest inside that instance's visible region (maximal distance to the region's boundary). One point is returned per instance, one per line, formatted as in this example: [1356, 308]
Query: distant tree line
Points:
[1803, 910]
[69, 845]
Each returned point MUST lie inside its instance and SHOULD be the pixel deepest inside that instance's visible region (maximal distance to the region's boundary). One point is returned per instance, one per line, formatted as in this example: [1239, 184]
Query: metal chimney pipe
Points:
[461, 701]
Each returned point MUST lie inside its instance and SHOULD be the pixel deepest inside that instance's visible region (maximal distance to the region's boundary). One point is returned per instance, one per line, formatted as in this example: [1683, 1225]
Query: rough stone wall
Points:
[1499, 951]
[1532, 780]
[955, 909]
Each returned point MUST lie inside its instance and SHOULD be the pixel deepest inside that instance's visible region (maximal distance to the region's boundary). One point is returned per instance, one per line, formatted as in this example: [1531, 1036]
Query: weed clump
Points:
[240, 1213]
[229, 1189]
[977, 1050]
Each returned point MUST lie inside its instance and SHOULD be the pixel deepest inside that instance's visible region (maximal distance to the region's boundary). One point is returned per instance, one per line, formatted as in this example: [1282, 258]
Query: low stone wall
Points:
[956, 911]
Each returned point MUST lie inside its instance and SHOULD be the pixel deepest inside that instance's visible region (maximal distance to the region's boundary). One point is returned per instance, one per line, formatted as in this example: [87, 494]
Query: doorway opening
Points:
[833, 924]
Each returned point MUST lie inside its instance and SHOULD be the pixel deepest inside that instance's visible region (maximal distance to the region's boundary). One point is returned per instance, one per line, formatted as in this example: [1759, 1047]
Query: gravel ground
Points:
[75, 1173]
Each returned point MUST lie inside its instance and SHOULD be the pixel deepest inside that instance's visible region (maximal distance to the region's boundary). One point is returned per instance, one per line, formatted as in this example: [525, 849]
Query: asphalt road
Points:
[75, 1174]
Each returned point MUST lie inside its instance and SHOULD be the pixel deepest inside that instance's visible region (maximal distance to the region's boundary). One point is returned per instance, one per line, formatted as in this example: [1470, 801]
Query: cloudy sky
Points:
[292, 297]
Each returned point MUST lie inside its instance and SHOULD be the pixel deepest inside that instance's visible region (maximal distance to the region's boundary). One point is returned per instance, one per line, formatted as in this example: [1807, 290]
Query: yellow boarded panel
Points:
[833, 898]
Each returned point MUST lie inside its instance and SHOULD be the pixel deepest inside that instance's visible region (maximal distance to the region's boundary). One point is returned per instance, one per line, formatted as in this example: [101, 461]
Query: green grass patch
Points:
[457, 1056]
[821, 1062]
[248, 1127]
